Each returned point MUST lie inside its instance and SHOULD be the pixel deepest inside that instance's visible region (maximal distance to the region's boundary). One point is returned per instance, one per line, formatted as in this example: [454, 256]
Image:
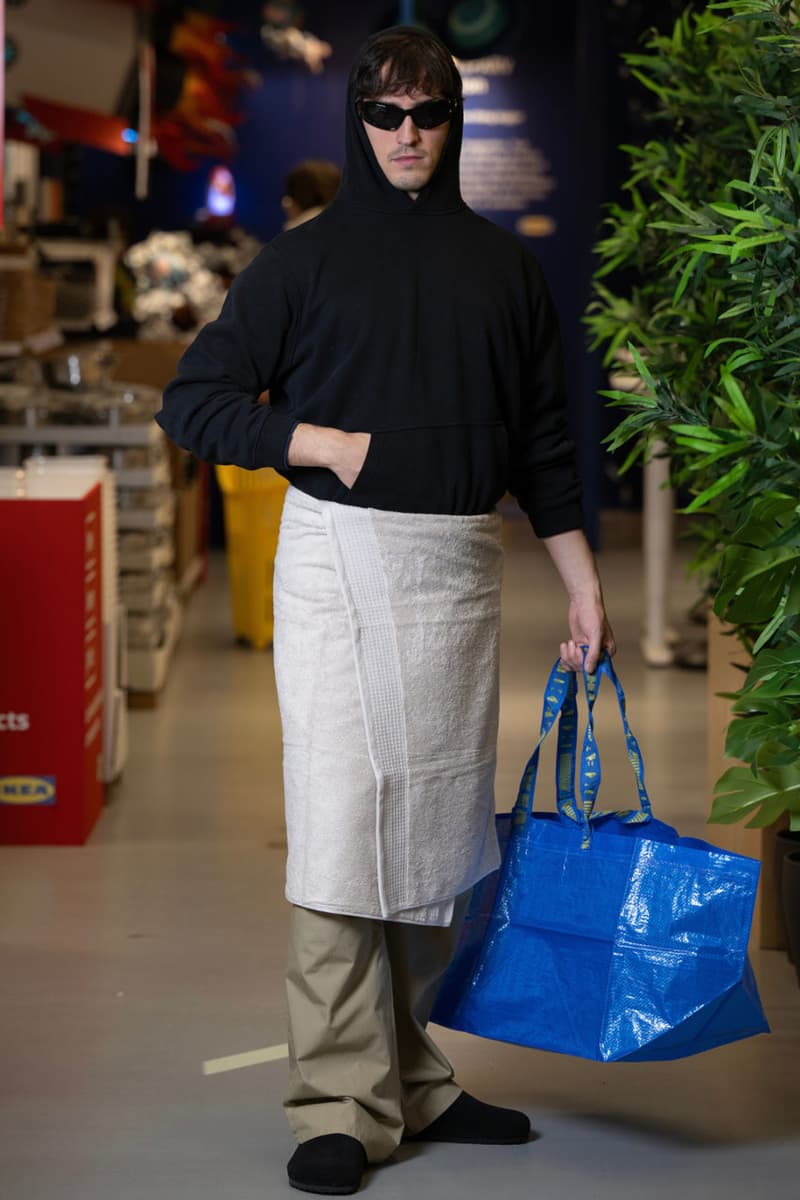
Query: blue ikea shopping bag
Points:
[604, 934]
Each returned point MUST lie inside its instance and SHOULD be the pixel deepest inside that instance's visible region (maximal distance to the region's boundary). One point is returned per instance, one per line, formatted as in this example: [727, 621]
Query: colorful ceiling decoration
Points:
[283, 32]
[202, 121]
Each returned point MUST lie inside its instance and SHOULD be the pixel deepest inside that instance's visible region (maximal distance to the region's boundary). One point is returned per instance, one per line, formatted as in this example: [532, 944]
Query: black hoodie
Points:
[414, 320]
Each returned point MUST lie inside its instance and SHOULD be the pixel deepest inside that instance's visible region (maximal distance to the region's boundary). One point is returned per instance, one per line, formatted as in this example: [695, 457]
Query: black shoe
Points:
[471, 1121]
[331, 1165]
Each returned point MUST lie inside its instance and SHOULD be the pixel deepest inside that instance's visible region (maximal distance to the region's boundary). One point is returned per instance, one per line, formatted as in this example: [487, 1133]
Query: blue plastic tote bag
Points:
[604, 934]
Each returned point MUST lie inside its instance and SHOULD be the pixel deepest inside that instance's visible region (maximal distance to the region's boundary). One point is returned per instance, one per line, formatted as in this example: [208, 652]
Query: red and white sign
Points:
[51, 670]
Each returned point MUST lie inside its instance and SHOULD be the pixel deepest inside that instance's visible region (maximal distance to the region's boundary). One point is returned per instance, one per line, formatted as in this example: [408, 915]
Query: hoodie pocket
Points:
[435, 469]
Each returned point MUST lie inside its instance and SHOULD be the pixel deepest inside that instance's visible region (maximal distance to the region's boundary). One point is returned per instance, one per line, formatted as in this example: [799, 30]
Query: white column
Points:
[657, 534]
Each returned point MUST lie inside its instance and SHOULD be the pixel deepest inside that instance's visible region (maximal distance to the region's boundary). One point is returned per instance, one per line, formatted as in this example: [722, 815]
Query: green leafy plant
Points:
[712, 329]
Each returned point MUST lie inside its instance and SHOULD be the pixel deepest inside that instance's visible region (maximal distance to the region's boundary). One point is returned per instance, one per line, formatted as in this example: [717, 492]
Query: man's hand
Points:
[588, 623]
[588, 626]
[350, 458]
[321, 446]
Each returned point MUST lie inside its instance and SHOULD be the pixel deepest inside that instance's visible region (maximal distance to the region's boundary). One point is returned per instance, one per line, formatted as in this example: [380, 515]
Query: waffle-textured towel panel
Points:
[386, 660]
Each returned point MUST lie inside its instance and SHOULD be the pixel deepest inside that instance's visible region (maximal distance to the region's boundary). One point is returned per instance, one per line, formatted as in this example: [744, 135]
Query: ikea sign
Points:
[27, 789]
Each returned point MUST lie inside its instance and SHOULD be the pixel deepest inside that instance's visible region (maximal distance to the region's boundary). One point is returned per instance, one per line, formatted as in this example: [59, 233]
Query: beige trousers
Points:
[360, 993]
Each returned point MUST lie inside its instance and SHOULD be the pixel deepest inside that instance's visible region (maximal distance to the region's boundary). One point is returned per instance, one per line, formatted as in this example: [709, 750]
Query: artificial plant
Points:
[711, 236]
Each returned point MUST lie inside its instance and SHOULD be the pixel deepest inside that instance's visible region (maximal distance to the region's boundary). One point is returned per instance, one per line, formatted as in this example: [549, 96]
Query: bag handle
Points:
[590, 781]
[561, 701]
[560, 689]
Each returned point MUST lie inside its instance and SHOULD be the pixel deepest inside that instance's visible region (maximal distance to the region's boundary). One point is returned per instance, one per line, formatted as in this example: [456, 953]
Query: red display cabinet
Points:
[51, 669]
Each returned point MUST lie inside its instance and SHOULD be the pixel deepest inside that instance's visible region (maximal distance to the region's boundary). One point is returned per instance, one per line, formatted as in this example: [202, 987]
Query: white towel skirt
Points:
[386, 660]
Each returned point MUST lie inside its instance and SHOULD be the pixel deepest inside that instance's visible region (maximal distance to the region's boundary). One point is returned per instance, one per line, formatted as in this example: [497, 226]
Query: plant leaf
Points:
[720, 485]
[738, 794]
[743, 413]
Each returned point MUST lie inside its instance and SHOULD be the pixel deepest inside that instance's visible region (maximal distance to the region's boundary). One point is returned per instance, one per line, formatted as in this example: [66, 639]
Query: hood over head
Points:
[364, 184]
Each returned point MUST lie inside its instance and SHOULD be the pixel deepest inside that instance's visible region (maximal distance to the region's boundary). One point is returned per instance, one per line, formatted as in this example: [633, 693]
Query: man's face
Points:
[407, 156]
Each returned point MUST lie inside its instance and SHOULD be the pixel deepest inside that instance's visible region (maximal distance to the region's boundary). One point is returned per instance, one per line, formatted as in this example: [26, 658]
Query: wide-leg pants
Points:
[360, 993]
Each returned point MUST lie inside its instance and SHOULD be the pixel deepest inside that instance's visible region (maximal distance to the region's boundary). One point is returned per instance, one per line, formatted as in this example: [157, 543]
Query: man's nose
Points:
[407, 133]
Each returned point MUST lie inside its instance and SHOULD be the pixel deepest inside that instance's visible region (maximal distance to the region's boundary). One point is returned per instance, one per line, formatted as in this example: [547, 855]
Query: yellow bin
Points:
[253, 502]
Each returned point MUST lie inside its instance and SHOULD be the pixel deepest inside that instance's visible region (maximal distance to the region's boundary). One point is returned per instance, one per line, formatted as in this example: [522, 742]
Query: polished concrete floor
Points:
[128, 964]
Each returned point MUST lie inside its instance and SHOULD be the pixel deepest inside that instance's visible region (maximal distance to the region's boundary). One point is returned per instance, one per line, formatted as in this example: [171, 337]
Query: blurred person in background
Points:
[309, 187]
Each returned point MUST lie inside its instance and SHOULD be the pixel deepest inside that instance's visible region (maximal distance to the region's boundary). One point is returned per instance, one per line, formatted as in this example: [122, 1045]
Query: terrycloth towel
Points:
[386, 660]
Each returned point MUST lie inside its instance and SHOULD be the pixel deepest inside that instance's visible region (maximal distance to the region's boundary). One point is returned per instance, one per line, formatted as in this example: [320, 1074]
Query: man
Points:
[413, 361]
[310, 186]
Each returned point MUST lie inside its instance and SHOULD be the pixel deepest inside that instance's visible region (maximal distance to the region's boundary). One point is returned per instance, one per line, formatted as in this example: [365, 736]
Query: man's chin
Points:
[410, 182]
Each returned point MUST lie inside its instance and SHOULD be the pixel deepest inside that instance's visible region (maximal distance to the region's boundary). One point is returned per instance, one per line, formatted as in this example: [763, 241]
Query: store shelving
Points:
[116, 421]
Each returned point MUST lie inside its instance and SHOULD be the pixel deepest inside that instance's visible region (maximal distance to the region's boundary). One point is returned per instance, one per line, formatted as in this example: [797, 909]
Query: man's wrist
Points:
[584, 593]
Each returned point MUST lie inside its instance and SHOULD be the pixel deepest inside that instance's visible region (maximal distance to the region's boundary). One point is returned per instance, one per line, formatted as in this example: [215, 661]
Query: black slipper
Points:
[471, 1121]
[331, 1165]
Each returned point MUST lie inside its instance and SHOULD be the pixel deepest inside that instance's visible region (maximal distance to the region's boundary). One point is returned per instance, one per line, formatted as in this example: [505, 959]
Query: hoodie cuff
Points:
[272, 443]
[563, 520]
[286, 445]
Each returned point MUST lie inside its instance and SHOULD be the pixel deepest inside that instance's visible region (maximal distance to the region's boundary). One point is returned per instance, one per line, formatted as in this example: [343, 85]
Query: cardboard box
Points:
[27, 304]
[151, 363]
[188, 527]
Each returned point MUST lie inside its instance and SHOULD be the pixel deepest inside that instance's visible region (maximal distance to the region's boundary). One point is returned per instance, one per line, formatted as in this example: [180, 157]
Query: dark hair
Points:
[313, 183]
[403, 58]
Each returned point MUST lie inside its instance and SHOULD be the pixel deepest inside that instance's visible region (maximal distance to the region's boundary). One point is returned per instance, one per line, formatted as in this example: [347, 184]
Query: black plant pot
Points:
[785, 843]
[790, 897]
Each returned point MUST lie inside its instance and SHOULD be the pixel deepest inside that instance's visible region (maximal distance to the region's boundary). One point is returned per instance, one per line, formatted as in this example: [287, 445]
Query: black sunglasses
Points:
[427, 115]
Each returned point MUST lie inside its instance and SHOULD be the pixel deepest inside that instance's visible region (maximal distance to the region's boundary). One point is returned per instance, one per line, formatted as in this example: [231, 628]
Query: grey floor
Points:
[128, 964]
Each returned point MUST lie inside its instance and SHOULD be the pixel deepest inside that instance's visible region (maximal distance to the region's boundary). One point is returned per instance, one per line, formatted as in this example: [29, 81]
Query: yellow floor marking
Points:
[233, 1062]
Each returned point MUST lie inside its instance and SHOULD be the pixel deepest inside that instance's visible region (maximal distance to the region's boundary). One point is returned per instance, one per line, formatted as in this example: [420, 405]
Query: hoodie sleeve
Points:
[212, 406]
[544, 474]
